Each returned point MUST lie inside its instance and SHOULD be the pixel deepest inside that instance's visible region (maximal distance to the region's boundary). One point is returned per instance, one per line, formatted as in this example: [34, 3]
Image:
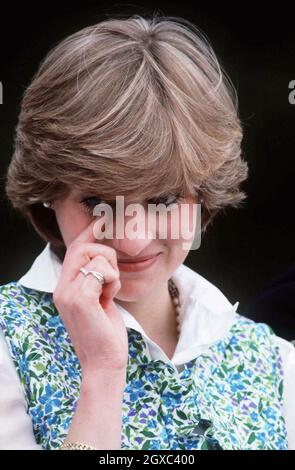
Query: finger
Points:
[100, 264]
[79, 254]
[93, 289]
[87, 235]
[112, 278]
[92, 232]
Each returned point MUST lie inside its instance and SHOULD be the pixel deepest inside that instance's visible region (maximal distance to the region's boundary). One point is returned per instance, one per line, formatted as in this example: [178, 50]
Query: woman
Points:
[101, 350]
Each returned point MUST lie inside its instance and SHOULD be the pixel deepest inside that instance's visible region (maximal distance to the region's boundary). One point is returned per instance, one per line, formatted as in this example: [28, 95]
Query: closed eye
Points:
[91, 201]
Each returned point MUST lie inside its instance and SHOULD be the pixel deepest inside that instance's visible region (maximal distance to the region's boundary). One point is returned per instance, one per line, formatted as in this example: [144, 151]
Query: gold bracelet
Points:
[76, 446]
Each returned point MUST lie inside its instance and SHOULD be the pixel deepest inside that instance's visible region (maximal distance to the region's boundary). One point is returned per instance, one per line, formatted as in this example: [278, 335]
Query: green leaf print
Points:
[181, 414]
[39, 366]
[251, 438]
[146, 445]
[34, 356]
[148, 433]
[281, 388]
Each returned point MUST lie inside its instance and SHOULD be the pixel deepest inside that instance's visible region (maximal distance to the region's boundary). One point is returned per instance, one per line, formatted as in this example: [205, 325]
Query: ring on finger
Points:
[99, 276]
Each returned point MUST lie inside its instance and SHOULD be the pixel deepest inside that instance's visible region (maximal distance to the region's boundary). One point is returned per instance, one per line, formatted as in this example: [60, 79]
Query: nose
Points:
[134, 233]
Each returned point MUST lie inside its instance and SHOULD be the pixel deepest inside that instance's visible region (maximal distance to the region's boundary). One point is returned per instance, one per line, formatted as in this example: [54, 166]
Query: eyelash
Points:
[89, 207]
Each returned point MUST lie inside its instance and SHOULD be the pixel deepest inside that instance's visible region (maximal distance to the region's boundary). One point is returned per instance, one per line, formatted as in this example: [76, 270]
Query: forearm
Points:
[98, 417]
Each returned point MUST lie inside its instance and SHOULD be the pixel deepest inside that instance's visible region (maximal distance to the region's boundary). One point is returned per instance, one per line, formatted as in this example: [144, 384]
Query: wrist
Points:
[105, 379]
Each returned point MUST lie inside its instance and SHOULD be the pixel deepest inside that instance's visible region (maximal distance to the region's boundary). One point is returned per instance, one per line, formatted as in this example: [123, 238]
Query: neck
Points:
[156, 314]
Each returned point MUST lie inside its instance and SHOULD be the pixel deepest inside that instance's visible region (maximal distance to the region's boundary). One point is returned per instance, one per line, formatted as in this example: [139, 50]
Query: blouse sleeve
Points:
[287, 351]
[16, 430]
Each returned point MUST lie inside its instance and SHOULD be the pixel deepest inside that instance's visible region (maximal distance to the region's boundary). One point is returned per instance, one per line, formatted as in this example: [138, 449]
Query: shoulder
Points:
[13, 294]
[243, 324]
[21, 307]
[256, 343]
[255, 334]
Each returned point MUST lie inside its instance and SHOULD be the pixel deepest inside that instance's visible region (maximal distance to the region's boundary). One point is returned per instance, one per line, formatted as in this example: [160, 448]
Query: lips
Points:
[136, 266]
[137, 260]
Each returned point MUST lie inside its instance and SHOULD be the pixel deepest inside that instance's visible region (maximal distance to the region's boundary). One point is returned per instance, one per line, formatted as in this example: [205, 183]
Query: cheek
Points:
[189, 223]
[181, 224]
[72, 222]
[180, 234]
[177, 252]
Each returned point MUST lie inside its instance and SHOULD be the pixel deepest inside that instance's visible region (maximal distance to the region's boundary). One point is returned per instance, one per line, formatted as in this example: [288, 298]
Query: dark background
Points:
[245, 248]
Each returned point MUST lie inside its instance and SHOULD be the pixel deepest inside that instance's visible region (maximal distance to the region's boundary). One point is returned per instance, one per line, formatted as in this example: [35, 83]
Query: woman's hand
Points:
[87, 309]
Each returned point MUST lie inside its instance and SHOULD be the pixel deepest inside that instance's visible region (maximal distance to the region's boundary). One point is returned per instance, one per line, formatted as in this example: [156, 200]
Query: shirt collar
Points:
[206, 314]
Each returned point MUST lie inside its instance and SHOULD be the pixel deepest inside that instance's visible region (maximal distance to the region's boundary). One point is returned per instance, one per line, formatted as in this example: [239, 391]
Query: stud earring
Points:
[47, 204]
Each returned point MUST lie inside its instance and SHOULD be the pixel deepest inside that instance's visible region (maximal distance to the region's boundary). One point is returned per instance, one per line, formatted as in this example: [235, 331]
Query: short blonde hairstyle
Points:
[135, 106]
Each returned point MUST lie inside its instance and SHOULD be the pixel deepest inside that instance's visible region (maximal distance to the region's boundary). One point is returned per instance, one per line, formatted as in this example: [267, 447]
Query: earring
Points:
[199, 198]
[47, 204]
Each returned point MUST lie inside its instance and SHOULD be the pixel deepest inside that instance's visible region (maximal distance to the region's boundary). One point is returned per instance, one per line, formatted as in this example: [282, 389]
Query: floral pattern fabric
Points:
[230, 397]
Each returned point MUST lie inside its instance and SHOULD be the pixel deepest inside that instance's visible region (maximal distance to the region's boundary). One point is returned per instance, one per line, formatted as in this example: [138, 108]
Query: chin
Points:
[131, 292]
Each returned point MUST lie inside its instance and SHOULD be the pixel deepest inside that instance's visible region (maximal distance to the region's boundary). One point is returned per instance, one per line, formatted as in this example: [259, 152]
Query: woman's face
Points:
[168, 234]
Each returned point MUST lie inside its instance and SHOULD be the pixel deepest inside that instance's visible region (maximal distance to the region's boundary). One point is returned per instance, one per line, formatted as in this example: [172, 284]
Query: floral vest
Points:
[228, 398]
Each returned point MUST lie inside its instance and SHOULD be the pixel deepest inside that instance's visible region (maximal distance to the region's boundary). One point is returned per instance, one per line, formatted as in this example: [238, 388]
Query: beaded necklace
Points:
[174, 293]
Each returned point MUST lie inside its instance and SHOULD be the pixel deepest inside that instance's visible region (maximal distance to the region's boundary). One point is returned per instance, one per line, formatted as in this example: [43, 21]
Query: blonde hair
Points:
[133, 106]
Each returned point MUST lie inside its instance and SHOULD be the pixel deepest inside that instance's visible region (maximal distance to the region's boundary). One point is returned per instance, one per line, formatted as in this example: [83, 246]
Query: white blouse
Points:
[206, 317]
